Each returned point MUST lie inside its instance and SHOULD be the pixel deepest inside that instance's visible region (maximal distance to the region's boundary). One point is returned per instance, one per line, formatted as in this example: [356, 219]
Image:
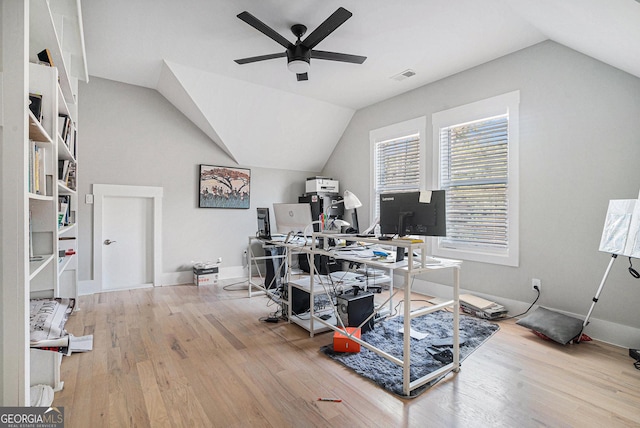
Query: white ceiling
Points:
[258, 112]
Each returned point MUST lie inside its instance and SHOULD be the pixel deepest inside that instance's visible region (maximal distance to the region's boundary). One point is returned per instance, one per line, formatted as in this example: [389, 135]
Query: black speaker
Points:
[300, 301]
[324, 264]
[354, 308]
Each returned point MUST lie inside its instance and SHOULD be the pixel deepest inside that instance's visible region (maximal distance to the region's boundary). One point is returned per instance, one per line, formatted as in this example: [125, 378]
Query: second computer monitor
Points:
[264, 226]
[413, 213]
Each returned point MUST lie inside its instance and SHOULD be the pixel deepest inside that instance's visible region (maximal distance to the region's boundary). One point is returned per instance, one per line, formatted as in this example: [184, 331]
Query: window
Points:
[476, 163]
[397, 159]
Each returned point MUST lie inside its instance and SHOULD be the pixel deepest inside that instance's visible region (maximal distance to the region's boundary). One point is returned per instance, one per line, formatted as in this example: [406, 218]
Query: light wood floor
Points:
[188, 356]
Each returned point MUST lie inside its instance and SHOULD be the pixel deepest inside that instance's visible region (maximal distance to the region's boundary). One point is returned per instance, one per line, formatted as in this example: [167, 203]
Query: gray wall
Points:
[579, 148]
[133, 136]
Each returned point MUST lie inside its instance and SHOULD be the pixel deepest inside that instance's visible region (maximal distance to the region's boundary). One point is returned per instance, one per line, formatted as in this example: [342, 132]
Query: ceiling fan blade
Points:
[327, 27]
[302, 76]
[264, 29]
[335, 56]
[260, 58]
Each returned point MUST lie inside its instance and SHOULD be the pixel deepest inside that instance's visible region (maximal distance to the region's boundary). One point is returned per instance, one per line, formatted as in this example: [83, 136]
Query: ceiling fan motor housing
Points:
[298, 53]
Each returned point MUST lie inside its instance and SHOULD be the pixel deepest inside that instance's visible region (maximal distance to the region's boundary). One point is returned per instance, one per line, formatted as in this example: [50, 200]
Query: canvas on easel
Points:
[621, 232]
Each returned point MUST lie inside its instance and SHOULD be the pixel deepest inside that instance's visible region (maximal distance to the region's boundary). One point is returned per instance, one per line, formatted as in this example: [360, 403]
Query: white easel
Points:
[620, 236]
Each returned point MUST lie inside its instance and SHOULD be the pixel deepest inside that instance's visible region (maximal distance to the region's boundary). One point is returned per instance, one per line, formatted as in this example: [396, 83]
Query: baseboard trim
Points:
[601, 330]
[186, 277]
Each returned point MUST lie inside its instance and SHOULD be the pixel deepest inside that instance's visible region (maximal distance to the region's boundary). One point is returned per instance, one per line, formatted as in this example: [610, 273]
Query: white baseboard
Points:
[186, 277]
[604, 331]
[88, 287]
[168, 278]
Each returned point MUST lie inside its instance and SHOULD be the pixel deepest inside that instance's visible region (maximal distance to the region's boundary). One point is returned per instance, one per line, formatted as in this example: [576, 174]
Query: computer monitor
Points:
[292, 217]
[264, 227]
[403, 213]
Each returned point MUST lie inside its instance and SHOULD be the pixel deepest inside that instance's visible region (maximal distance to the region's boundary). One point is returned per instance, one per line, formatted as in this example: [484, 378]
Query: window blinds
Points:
[474, 173]
[397, 166]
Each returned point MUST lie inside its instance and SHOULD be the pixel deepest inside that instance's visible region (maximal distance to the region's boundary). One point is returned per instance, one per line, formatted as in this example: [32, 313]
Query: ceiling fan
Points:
[299, 54]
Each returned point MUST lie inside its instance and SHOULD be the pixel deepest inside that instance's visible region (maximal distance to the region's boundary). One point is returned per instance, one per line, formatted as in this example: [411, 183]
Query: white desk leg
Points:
[390, 272]
[312, 284]
[456, 319]
[249, 260]
[289, 312]
[289, 287]
[406, 357]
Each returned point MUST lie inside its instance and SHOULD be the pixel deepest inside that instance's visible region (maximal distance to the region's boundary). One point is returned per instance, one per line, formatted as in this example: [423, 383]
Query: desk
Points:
[285, 261]
[340, 281]
[408, 268]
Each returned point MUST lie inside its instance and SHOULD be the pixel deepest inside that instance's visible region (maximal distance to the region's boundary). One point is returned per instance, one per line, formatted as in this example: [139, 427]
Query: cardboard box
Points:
[322, 185]
[205, 276]
[342, 343]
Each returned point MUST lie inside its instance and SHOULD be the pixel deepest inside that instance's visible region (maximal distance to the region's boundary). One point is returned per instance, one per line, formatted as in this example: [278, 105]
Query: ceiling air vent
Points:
[405, 74]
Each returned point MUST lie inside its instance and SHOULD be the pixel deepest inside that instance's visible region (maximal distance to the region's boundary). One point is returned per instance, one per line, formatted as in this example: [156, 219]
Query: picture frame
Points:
[224, 187]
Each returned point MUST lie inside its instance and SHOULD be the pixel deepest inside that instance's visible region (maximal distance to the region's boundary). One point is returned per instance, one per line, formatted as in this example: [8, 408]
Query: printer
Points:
[322, 185]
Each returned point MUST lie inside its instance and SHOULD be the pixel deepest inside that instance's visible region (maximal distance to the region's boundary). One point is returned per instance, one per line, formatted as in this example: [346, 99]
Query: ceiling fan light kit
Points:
[298, 66]
[299, 54]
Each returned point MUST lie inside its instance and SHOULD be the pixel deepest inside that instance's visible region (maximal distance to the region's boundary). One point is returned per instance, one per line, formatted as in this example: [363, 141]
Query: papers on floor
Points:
[81, 344]
[47, 320]
[481, 308]
[418, 335]
[47, 327]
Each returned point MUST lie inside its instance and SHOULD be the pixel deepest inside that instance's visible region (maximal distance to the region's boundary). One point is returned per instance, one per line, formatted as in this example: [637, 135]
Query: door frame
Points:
[100, 191]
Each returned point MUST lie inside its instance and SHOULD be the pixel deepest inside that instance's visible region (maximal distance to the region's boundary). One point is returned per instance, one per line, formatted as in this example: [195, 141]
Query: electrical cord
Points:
[528, 309]
[227, 287]
[634, 273]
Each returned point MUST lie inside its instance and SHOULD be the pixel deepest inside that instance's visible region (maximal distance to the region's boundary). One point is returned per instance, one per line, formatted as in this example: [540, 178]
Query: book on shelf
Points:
[44, 56]
[35, 105]
[63, 171]
[63, 124]
[37, 179]
[73, 143]
[71, 179]
[64, 207]
[67, 132]
[30, 238]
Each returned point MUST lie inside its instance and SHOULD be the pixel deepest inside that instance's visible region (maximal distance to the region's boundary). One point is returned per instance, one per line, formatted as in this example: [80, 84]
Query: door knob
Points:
[108, 242]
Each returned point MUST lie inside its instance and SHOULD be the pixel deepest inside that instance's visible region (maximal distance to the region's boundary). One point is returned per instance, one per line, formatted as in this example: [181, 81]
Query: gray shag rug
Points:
[427, 355]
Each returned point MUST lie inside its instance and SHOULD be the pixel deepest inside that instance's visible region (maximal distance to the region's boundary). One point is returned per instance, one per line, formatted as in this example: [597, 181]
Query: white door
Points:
[127, 227]
[127, 256]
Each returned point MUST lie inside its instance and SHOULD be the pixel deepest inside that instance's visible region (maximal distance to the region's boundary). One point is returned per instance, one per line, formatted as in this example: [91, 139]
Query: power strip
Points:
[635, 354]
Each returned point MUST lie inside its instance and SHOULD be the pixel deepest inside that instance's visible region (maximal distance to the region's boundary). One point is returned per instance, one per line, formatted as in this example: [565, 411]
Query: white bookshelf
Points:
[30, 188]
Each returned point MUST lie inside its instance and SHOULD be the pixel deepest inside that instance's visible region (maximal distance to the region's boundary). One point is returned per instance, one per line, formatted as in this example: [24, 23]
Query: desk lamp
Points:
[351, 202]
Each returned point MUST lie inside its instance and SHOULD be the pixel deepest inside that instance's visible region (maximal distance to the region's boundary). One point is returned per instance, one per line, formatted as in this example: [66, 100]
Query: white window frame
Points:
[396, 131]
[502, 104]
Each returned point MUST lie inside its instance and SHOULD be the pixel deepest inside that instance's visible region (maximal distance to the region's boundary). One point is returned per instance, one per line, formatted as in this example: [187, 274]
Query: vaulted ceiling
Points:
[262, 116]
